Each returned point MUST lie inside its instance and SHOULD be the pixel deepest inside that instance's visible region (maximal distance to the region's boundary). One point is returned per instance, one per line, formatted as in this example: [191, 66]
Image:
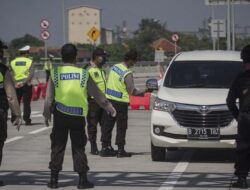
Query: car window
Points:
[202, 74]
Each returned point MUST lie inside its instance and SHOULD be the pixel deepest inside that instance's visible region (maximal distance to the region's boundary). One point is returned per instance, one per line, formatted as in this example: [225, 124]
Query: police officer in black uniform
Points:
[96, 112]
[240, 89]
[7, 98]
[67, 93]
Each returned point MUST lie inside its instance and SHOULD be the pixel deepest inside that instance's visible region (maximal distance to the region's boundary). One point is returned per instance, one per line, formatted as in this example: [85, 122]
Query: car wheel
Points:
[158, 153]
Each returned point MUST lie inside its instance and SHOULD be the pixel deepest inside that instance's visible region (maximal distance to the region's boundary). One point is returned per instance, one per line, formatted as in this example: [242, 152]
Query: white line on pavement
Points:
[177, 172]
[39, 130]
[35, 116]
[13, 139]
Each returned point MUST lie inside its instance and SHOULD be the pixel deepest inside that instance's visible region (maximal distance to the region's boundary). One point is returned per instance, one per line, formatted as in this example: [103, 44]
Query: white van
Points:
[190, 108]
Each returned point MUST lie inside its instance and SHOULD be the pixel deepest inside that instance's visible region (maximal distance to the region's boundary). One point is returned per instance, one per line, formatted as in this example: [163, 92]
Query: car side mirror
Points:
[152, 84]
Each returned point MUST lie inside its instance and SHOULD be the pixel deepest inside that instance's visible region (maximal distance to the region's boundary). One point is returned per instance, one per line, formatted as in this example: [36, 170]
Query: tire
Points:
[158, 153]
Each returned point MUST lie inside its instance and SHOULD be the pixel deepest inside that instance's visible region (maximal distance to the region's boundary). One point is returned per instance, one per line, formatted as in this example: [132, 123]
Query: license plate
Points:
[203, 133]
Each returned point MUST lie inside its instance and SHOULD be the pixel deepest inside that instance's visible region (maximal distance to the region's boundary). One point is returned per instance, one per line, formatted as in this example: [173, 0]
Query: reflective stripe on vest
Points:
[1, 80]
[70, 90]
[116, 88]
[98, 77]
[20, 67]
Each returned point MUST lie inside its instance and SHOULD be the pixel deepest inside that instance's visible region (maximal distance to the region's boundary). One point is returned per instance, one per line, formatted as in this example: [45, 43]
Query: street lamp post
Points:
[233, 25]
[228, 25]
[63, 22]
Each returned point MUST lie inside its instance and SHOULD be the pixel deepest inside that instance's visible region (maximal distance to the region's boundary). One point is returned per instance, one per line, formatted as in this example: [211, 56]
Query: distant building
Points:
[106, 36]
[80, 21]
[167, 46]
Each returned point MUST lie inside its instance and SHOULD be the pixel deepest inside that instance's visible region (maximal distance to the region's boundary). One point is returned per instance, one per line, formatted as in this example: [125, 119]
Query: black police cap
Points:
[131, 55]
[245, 54]
[99, 52]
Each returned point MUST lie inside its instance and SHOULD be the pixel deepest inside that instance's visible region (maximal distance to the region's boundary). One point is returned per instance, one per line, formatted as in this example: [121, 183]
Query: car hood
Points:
[194, 96]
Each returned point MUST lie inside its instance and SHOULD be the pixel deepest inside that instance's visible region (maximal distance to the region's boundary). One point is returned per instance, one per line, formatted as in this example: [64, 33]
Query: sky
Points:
[20, 17]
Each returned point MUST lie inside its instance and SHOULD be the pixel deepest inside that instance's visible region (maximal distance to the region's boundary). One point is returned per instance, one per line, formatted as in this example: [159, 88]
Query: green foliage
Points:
[149, 31]
[240, 43]
[115, 51]
[28, 39]
[89, 47]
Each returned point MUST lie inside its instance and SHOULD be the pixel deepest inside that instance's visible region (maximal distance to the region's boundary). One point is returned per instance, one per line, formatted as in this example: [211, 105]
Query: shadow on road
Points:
[126, 179]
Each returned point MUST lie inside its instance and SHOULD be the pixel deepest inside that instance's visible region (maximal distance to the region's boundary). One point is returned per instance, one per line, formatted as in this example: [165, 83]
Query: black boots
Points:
[94, 149]
[240, 183]
[53, 183]
[107, 151]
[1, 183]
[122, 153]
[83, 182]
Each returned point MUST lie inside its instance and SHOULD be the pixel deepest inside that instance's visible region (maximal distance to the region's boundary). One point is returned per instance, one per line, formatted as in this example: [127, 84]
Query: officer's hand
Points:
[19, 85]
[149, 90]
[46, 121]
[17, 122]
[111, 110]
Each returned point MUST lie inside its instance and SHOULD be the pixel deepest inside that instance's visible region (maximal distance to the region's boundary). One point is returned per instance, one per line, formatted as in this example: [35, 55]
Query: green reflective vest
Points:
[20, 67]
[70, 90]
[47, 65]
[1, 80]
[98, 77]
[116, 88]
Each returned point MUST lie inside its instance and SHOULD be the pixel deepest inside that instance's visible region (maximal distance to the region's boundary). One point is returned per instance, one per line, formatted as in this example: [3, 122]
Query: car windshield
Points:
[202, 74]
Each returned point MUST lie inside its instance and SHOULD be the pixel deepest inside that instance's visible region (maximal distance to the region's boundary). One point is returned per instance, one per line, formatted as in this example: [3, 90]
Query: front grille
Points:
[189, 118]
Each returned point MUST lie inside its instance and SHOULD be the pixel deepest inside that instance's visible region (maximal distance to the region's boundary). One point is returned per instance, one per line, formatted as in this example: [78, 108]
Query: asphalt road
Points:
[27, 154]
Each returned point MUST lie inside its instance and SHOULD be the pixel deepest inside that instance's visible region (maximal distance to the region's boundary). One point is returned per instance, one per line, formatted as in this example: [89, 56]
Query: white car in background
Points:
[190, 108]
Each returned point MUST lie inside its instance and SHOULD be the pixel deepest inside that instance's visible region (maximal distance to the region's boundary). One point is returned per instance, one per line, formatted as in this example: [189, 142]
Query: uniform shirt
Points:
[237, 91]
[92, 90]
[30, 77]
[10, 91]
[130, 86]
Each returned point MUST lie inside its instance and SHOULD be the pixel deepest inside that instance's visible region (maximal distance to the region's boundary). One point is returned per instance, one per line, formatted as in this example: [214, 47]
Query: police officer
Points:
[240, 89]
[66, 97]
[48, 66]
[22, 70]
[119, 86]
[8, 98]
[95, 114]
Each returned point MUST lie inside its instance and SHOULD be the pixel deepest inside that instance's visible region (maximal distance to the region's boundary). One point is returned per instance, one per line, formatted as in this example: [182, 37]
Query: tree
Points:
[149, 31]
[28, 39]
[115, 51]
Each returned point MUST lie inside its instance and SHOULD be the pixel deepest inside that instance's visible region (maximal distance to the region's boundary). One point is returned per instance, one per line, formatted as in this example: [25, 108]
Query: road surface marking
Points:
[13, 139]
[177, 172]
[39, 130]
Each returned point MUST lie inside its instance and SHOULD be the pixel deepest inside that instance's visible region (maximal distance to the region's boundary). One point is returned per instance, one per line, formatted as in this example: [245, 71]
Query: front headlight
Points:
[163, 105]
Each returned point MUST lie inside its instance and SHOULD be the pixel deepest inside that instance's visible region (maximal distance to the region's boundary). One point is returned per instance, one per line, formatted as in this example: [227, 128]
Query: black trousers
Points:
[95, 116]
[3, 131]
[24, 92]
[74, 126]
[121, 121]
[47, 75]
[242, 162]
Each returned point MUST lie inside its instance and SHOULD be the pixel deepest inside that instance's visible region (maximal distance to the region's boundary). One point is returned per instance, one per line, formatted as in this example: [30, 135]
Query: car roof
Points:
[208, 55]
